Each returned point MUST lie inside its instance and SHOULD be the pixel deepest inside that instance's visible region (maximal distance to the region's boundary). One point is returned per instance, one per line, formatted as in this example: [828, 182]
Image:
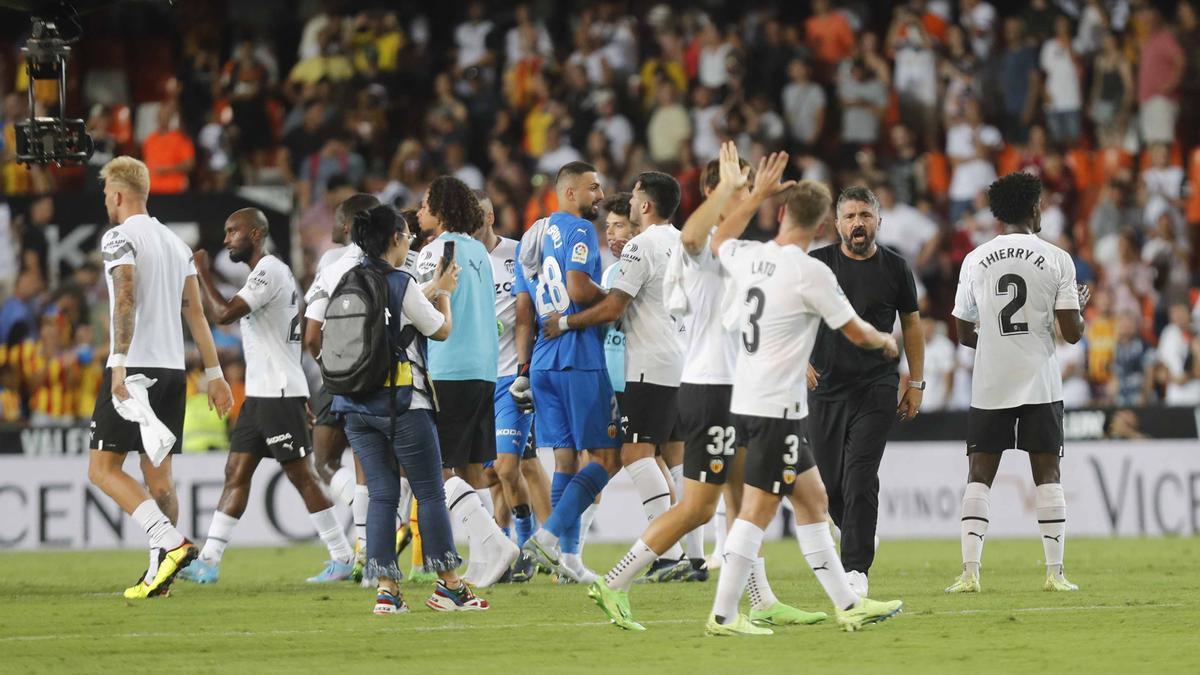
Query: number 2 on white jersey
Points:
[551, 293]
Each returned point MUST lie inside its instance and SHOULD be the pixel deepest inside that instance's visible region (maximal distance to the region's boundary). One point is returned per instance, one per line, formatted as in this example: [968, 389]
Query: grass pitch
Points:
[1138, 611]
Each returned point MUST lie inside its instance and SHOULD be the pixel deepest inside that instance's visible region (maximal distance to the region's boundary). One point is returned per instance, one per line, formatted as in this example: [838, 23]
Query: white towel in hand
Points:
[674, 295]
[157, 439]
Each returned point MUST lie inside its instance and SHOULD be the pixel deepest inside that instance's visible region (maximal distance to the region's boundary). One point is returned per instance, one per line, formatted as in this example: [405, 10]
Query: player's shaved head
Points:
[485, 202]
[570, 172]
[252, 218]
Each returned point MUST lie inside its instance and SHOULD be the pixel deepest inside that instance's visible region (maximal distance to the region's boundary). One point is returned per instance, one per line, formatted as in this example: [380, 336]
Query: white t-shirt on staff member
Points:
[1011, 287]
[271, 331]
[785, 294]
[652, 350]
[162, 263]
[710, 351]
[504, 265]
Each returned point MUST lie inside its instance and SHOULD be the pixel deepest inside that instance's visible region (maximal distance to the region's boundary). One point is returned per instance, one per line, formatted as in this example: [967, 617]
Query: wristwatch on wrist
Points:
[919, 385]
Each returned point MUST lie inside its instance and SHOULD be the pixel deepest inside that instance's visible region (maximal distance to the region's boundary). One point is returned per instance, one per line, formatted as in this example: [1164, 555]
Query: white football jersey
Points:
[1011, 287]
[271, 331]
[317, 299]
[331, 256]
[162, 263]
[784, 296]
[504, 264]
[710, 351]
[652, 349]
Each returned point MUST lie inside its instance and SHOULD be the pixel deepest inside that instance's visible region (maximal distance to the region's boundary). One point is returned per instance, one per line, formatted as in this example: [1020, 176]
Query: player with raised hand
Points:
[1011, 293]
[576, 406]
[653, 354]
[708, 427]
[274, 419]
[784, 295]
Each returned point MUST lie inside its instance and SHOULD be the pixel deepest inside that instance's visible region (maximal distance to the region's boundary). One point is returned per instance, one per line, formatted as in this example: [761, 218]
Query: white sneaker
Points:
[858, 583]
[502, 554]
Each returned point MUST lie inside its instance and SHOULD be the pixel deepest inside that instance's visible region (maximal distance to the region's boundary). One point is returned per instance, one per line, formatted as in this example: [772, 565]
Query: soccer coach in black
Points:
[853, 392]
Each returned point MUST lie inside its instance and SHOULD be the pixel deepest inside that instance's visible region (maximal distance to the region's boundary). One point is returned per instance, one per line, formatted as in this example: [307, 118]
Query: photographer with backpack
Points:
[373, 361]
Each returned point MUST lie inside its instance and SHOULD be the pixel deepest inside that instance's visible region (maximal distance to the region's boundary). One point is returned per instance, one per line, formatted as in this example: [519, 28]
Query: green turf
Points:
[1138, 611]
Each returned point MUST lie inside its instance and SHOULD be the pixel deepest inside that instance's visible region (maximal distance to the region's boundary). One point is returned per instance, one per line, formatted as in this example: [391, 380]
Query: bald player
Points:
[274, 419]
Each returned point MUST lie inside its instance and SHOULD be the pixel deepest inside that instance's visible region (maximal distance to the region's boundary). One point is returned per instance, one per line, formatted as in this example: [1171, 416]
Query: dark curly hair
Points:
[1014, 197]
[453, 203]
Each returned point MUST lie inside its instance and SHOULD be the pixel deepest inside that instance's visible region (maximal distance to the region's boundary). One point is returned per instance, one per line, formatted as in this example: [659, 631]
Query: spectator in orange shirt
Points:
[829, 36]
[169, 154]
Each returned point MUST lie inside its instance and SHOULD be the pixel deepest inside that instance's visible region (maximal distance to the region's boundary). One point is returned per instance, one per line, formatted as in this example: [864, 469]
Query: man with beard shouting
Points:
[853, 391]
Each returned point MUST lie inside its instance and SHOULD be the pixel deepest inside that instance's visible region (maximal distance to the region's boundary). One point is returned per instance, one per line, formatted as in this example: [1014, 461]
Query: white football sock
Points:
[741, 550]
[220, 531]
[331, 533]
[694, 542]
[652, 488]
[342, 485]
[585, 524]
[976, 505]
[485, 497]
[817, 546]
[404, 509]
[720, 530]
[630, 567]
[467, 509]
[677, 479]
[359, 506]
[1052, 521]
[759, 590]
[158, 527]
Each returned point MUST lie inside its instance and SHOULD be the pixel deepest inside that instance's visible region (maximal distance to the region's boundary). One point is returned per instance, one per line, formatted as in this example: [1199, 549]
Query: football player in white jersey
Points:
[274, 419]
[706, 423]
[1012, 291]
[512, 423]
[151, 283]
[783, 296]
[329, 440]
[653, 355]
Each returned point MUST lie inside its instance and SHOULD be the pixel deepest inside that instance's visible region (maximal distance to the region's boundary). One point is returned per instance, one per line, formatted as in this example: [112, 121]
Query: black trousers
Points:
[848, 437]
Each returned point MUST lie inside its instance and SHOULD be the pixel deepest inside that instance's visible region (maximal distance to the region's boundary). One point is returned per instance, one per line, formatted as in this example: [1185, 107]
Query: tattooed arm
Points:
[124, 311]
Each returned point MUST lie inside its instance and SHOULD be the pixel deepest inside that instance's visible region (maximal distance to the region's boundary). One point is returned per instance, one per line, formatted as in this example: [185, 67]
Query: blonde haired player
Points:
[783, 296]
[151, 281]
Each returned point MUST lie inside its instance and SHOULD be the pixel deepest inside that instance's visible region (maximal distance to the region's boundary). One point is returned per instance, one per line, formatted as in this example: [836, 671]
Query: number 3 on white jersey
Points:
[551, 290]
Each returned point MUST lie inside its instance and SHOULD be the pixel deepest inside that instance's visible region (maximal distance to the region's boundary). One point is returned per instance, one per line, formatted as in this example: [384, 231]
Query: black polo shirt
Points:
[877, 287]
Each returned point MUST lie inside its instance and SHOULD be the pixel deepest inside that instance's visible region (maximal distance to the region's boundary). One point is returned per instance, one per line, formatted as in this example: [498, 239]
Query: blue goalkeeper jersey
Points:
[569, 244]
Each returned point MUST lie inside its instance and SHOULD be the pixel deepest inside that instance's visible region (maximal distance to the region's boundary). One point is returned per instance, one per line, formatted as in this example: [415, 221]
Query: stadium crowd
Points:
[926, 103]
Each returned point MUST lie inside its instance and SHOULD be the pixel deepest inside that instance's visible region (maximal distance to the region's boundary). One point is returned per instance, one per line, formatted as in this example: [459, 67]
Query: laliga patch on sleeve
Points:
[579, 254]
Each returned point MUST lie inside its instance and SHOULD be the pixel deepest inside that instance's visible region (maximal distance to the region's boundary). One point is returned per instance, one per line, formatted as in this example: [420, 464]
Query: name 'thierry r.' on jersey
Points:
[1011, 287]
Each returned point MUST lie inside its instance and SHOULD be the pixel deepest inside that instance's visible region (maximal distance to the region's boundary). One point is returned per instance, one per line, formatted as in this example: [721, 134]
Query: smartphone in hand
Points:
[447, 256]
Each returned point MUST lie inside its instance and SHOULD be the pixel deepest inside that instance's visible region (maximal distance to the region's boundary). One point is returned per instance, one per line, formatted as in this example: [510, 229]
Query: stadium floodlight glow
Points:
[49, 140]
